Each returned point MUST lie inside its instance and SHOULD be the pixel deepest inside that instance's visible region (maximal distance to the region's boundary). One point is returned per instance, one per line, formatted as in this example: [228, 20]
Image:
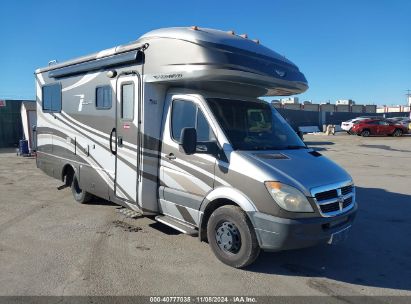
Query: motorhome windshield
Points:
[251, 125]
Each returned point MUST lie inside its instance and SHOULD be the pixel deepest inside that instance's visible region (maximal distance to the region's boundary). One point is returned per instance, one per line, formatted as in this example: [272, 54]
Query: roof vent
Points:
[52, 62]
[245, 36]
[231, 32]
[194, 28]
[256, 41]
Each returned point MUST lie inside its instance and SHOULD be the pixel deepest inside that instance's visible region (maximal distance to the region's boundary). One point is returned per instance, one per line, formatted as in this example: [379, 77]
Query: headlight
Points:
[288, 198]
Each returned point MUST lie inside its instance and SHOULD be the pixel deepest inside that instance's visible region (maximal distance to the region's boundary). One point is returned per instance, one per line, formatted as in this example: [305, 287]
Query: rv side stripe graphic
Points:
[88, 129]
[149, 142]
[87, 159]
[45, 130]
[93, 166]
[149, 176]
[185, 214]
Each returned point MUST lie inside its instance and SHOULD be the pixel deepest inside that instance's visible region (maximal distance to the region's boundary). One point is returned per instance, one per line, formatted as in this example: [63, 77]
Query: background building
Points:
[347, 102]
[11, 127]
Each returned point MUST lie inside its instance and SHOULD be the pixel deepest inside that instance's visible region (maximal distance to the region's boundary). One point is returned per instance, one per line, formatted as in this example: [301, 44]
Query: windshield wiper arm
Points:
[291, 147]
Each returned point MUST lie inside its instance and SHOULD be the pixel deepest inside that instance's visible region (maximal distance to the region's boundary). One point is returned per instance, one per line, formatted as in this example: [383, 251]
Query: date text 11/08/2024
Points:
[203, 299]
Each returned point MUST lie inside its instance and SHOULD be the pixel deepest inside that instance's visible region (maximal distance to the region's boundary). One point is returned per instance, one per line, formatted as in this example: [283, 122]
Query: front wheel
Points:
[365, 133]
[397, 133]
[232, 237]
[79, 194]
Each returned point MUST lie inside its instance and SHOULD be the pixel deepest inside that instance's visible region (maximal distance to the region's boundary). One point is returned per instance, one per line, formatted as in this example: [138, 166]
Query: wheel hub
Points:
[228, 237]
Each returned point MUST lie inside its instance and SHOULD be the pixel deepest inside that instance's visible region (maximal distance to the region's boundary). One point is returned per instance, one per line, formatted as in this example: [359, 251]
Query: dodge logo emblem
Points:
[341, 202]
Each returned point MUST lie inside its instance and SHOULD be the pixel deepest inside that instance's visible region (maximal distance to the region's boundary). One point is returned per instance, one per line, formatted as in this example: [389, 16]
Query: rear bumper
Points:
[275, 234]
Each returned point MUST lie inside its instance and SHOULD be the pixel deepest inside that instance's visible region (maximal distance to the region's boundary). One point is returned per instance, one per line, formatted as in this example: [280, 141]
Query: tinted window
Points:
[52, 98]
[375, 122]
[252, 125]
[183, 116]
[204, 132]
[127, 101]
[103, 97]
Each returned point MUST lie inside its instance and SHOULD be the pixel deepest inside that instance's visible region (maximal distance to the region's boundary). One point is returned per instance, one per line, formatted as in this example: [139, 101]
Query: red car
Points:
[378, 127]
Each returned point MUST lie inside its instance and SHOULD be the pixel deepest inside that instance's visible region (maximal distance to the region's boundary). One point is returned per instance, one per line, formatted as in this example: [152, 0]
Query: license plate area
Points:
[339, 236]
[339, 222]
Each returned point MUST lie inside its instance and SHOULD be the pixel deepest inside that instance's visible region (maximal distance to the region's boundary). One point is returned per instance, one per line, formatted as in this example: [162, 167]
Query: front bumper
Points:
[276, 234]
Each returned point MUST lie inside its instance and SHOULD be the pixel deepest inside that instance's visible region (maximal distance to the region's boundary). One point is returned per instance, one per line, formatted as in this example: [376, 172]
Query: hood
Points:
[304, 168]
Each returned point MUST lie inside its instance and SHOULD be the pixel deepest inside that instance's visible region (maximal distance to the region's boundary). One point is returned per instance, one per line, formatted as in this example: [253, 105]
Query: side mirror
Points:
[188, 140]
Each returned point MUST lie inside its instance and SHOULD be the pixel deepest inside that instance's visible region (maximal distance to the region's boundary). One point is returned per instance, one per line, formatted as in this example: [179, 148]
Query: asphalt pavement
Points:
[51, 245]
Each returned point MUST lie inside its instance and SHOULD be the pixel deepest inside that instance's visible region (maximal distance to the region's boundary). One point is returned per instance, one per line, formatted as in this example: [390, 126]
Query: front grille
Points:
[330, 207]
[335, 201]
[347, 202]
[347, 189]
[322, 196]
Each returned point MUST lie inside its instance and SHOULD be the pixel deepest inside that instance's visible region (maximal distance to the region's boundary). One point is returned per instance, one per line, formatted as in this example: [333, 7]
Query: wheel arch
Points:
[217, 198]
[69, 171]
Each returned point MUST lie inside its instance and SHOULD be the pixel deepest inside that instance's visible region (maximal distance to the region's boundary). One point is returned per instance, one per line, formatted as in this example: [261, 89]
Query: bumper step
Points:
[177, 225]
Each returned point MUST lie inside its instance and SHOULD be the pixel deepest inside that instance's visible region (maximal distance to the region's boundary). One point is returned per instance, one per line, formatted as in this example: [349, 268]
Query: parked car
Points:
[347, 125]
[405, 121]
[378, 127]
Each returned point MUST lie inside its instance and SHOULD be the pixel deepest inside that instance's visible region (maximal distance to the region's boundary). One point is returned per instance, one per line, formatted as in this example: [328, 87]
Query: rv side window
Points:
[127, 101]
[52, 98]
[186, 114]
[103, 97]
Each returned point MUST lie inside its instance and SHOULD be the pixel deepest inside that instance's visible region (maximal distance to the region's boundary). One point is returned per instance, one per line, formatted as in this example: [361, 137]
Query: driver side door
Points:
[186, 179]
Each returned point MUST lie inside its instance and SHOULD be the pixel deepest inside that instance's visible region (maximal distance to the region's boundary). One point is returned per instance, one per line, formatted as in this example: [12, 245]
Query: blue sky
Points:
[347, 49]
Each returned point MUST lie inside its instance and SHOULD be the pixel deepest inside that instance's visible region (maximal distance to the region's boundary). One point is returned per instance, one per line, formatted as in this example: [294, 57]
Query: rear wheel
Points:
[365, 133]
[231, 237]
[79, 195]
[397, 132]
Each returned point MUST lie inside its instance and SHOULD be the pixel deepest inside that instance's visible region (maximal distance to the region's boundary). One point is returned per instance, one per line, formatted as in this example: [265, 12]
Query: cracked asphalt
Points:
[51, 245]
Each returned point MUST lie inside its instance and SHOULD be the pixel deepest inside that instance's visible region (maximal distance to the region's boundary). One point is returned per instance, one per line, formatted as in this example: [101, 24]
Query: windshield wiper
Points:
[257, 148]
[290, 147]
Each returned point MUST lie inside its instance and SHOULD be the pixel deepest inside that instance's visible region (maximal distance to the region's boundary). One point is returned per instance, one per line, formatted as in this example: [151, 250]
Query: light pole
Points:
[409, 100]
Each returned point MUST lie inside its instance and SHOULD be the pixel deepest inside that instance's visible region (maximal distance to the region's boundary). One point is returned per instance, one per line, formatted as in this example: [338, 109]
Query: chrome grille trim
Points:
[344, 198]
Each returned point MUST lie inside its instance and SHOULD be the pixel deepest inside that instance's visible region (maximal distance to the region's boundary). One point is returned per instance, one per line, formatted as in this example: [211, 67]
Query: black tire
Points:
[231, 223]
[79, 195]
[365, 133]
[397, 133]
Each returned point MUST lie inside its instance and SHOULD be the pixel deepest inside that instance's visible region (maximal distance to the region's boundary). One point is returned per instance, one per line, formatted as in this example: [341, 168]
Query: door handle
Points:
[111, 141]
[171, 156]
[119, 141]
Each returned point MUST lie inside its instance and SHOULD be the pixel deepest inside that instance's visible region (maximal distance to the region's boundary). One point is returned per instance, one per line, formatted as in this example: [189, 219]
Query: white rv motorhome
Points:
[171, 126]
